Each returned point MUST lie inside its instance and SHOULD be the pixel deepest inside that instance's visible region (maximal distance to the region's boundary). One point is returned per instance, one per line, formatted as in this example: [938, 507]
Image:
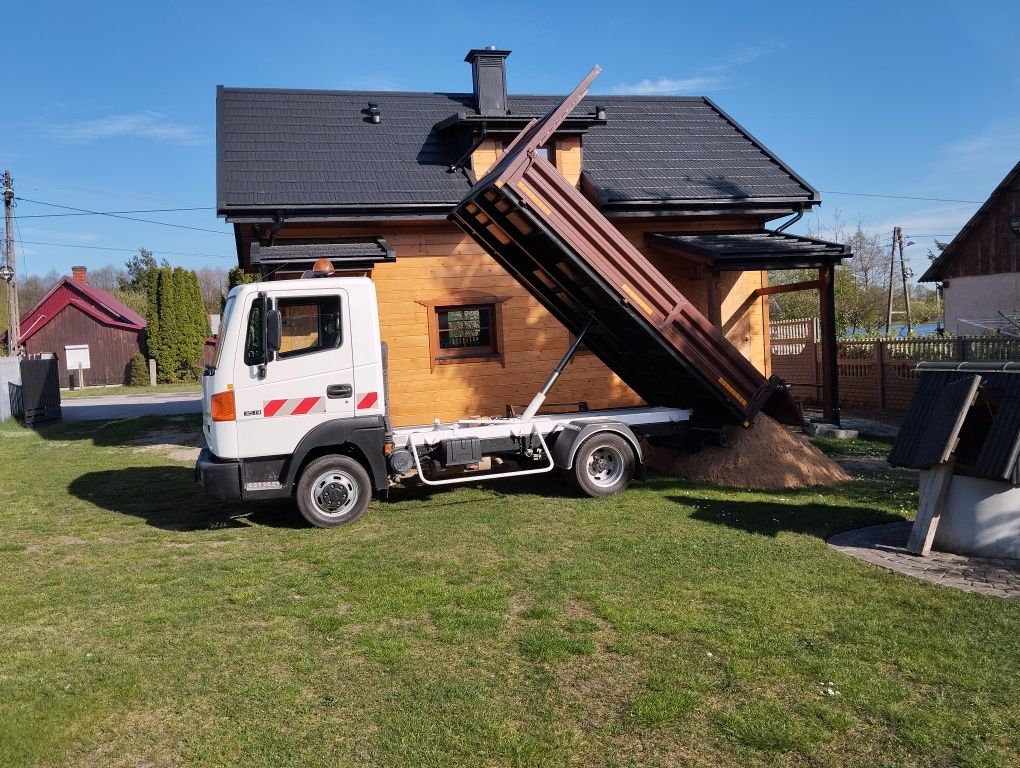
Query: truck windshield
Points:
[224, 325]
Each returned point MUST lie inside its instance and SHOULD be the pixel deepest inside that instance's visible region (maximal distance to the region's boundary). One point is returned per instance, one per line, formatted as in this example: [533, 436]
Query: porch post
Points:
[830, 368]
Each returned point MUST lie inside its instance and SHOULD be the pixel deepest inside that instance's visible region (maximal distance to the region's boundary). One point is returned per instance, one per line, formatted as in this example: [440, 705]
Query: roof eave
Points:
[934, 272]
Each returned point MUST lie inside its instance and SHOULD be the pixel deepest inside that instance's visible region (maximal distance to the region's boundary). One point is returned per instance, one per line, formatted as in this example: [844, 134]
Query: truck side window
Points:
[310, 325]
[253, 336]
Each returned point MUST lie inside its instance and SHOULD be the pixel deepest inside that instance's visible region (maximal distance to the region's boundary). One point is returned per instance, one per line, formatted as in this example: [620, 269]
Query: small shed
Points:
[91, 322]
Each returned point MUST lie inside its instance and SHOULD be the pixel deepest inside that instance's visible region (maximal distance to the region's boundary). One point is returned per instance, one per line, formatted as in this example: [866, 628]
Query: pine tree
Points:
[154, 329]
[236, 277]
[138, 371]
[178, 323]
[194, 323]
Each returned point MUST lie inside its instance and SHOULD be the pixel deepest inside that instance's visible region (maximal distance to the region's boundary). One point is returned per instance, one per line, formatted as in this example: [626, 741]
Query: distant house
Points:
[75, 313]
[367, 179]
[980, 268]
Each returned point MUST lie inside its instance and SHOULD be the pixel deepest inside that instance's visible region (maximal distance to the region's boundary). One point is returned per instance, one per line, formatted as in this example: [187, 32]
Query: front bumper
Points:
[221, 478]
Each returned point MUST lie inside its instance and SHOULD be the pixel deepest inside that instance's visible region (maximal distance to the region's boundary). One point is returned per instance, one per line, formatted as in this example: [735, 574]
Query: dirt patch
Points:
[175, 443]
[765, 456]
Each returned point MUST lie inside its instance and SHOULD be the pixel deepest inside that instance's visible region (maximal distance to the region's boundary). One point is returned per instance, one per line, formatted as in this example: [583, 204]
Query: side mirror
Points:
[274, 330]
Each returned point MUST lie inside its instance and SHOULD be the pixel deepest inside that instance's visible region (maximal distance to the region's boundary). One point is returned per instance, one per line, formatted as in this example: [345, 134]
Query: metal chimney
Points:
[488, 71]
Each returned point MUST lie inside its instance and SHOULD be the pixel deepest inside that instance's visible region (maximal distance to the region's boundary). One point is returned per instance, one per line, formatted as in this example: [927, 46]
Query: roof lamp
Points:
[322, 268]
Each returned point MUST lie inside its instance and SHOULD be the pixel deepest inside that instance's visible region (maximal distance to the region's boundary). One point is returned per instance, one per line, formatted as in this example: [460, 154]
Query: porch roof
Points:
[739, 251]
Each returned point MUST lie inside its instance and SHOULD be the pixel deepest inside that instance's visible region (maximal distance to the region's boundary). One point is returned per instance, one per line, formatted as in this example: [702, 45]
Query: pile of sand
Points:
[767, 455]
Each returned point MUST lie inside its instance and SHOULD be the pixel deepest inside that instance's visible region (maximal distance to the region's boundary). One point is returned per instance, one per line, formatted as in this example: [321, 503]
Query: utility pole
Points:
[905, 274]
[897, 242]
[892, 271]
[9, 272]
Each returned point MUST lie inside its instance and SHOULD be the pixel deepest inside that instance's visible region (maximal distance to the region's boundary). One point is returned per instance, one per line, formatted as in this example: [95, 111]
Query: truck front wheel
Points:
[333, 490]
[604, 465]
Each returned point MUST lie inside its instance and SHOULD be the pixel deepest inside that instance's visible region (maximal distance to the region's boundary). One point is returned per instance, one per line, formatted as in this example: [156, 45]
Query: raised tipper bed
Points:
[580, 267]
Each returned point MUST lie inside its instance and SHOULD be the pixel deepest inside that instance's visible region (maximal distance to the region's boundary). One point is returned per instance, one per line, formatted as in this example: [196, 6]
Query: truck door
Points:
[309, 381]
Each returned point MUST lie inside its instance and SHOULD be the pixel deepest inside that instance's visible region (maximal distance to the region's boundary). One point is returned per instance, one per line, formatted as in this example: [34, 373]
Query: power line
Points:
[128, 218]
[112, 213]
[24, 258]
[127, 250]
[903, 197]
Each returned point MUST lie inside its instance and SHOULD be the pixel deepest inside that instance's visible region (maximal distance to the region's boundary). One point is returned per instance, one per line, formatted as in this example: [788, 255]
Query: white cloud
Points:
[972, 166]
[938, 220]
[712, 78]
[665, 86]
[144, 125]
[747, 55]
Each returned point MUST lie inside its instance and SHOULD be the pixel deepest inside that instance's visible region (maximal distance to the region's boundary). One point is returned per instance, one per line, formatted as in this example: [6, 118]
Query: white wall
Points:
[979, 298]
[10, 382]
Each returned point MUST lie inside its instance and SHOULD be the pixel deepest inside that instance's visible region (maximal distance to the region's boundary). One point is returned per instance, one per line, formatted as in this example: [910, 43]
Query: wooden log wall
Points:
[727, 298]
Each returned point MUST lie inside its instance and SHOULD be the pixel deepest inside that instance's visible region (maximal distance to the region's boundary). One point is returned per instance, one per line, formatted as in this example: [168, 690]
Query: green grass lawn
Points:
[189, 386]
[505, 625]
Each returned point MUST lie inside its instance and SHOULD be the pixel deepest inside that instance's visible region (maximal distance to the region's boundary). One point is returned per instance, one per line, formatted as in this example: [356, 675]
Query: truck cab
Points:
[297, 361]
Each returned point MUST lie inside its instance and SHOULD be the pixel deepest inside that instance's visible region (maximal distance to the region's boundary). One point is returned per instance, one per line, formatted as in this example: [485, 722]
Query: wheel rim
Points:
[334, 493]
[605, 466]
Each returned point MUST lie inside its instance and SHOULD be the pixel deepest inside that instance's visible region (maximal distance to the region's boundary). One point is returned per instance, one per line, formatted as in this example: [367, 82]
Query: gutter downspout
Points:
[796, 217]
[277, 226]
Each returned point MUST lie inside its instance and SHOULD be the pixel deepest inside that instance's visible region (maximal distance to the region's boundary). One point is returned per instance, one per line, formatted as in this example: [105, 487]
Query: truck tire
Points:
[333, 490]
[603, 465]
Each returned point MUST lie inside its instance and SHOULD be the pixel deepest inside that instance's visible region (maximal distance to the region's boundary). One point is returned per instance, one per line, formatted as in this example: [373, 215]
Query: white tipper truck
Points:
[295, 405]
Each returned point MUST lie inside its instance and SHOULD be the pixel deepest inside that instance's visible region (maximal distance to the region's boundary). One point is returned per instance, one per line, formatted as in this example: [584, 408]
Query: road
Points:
[110, 407]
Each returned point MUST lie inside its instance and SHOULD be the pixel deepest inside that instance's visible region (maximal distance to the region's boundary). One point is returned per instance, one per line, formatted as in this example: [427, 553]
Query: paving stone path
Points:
[885, 545]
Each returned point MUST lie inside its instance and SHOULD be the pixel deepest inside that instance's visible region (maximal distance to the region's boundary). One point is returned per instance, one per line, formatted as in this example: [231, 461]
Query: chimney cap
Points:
[491, 50]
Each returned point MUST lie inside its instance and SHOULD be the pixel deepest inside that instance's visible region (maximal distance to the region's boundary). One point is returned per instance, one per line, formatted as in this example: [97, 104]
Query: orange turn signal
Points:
[221, 406]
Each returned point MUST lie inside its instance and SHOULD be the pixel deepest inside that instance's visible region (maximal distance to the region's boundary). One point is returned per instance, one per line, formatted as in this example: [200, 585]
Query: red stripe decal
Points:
[272, 407]
[304, 406]
[368, 400]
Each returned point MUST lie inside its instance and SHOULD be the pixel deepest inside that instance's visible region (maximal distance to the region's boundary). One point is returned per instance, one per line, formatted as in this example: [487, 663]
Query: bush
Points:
[138, 371]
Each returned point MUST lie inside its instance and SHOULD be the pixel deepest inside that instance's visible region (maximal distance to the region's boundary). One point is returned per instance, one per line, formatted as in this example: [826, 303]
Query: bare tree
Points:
[33, 287]
[213, 283]
[109, 278]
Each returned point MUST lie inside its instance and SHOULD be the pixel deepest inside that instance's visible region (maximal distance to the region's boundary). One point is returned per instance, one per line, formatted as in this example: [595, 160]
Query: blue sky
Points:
[110, 106]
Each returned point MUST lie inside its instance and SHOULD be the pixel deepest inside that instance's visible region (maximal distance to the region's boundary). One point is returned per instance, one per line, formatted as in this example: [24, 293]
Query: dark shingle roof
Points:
[345, 253]
[318, 150]
[753, 250]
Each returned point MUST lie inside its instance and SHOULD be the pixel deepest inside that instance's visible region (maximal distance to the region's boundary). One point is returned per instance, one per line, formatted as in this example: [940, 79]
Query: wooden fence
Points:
[874, 374]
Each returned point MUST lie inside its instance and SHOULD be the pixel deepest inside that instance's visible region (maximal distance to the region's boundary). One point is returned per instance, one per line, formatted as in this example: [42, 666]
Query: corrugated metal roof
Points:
[991, 431]
[95, 302]
[998, 457]
[319, 150]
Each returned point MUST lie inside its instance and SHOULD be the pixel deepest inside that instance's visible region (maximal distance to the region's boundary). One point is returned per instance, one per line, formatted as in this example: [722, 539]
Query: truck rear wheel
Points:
[604, 465]
[333, 490]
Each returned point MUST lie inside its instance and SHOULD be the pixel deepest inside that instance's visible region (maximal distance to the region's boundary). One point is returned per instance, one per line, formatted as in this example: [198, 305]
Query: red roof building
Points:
[75, 313]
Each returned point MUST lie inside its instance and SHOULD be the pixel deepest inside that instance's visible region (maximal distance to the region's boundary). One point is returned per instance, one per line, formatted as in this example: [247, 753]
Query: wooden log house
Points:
[368, 179]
